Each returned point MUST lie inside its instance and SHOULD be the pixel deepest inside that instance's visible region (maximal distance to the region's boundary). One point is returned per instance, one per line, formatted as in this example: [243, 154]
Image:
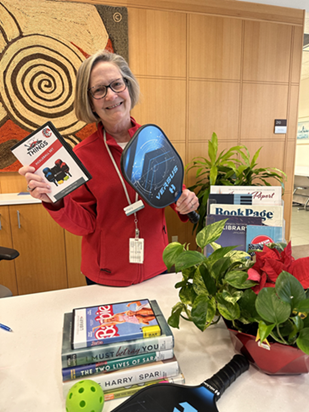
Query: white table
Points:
[30, 364]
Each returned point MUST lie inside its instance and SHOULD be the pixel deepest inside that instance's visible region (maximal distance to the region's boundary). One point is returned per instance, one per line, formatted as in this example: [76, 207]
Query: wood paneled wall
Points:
[219, 66]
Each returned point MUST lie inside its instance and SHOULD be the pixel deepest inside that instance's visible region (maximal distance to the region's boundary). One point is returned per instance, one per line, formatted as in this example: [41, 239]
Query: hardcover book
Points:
[130, 390]
[234, 232]
[266, 195]
[114, 364]
[272, 215]
[132, 376]
[53, 160]
[76, 357]
[115, 322]
[258, 236]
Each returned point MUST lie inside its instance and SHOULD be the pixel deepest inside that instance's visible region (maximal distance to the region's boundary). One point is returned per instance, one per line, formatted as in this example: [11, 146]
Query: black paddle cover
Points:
[152, 166]
[170, 397]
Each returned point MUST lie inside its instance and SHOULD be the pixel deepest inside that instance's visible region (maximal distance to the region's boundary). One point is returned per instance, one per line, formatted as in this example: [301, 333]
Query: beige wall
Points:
[302, 147]
[215, 66]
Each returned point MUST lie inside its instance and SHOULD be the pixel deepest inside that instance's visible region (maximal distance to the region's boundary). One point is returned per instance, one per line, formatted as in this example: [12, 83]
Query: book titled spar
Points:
[115, 322]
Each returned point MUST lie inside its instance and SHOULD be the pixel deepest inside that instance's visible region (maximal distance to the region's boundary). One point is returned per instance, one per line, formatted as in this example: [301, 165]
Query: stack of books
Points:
[255, 216]
[121, 346]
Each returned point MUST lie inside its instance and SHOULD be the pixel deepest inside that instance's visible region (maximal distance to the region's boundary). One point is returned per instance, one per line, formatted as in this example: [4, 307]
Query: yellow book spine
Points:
[151, 331]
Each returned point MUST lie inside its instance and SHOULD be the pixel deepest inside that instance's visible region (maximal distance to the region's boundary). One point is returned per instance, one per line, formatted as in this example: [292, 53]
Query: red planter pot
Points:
[277, 359]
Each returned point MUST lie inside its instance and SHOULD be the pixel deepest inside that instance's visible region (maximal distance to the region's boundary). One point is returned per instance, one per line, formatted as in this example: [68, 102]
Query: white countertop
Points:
[17, 199]
[30, 357]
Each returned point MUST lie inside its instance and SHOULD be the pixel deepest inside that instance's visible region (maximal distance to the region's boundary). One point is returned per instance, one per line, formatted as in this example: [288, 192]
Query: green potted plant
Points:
[228, 168]
[266, 299]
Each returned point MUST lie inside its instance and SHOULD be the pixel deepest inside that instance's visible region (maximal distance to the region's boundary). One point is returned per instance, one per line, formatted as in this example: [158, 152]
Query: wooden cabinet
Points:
[41, 243]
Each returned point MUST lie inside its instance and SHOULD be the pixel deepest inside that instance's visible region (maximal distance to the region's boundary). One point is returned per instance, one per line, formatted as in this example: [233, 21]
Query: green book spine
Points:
[86, 371]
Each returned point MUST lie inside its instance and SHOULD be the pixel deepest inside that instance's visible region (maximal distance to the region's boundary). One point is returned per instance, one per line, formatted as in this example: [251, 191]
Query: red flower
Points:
[270, 263]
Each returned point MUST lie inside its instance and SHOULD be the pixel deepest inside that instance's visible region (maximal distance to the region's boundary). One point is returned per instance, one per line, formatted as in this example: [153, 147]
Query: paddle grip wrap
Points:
[221, 380]
[193, 217]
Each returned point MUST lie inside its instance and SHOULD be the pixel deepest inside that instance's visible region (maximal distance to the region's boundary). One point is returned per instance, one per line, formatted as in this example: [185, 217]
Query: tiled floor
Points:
[300, 226]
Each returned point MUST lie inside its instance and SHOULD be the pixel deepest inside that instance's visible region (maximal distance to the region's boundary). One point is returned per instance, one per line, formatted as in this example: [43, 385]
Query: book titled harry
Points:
[132, 376]
[53, 159]
[115, 322]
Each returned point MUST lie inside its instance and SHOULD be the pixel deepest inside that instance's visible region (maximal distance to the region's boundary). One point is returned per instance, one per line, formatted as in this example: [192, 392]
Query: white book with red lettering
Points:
[265, 195]
[53, 159]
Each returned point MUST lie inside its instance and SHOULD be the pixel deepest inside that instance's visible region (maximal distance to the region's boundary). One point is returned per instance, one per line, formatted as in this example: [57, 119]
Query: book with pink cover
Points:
[116, 322]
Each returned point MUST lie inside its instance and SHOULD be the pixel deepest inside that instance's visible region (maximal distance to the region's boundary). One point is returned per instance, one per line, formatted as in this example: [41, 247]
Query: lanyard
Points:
[123, 184]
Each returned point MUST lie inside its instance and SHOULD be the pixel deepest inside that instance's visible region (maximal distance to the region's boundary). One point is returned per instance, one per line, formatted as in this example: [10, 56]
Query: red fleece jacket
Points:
[95, 211]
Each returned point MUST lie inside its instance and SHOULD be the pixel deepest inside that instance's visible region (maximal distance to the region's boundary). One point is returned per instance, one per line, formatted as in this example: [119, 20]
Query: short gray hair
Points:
[83, 110]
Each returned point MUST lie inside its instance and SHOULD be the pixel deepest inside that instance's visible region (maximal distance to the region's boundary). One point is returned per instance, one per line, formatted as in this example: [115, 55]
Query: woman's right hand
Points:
[36, 185]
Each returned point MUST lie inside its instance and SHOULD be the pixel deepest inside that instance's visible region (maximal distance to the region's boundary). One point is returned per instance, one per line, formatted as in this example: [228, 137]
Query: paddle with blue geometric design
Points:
[152, 166]
[171, 397]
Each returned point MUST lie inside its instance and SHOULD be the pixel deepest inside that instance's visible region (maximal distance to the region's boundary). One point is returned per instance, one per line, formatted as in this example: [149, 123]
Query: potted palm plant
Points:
[264, 303]
[232, 167]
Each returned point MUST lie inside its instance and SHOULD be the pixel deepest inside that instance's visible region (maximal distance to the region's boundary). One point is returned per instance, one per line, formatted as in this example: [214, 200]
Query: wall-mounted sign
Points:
[280, 126]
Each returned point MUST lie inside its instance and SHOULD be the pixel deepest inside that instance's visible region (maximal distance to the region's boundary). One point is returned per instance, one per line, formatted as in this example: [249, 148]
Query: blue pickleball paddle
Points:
[170, 397]
[152, 166]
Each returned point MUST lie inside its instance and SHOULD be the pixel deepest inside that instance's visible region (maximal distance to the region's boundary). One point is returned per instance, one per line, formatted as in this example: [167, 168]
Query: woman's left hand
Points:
[188, 202]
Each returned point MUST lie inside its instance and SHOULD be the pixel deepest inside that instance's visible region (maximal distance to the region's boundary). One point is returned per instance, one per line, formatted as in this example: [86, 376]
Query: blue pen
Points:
[5, 327]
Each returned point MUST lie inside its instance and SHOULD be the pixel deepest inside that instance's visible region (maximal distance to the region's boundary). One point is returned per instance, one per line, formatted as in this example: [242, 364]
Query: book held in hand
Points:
[116, 322]
[53, 159]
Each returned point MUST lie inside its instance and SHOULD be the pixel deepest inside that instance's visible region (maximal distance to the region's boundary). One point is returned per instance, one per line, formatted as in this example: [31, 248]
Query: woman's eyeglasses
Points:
[117, 86]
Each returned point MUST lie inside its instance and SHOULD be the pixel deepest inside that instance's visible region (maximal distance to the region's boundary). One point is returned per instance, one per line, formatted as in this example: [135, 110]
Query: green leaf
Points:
[239, 279]
[255, 156]
[289, 289]
[171, 252]
[303, 340]
[213, 175]
[228, 310]
[187, 259]
[202, 312]
[173, 320]
[303, 306]
[247, 305]
[264, 330]
[210, 233]
[187, 294]
[208, 280]
[271, 308]
[198, 283]
[231, 295]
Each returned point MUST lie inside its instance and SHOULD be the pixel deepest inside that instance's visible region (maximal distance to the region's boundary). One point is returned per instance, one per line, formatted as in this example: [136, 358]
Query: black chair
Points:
[7, 254]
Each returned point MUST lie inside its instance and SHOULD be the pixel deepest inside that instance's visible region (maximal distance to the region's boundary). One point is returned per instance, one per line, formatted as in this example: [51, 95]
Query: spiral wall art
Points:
[42, 44]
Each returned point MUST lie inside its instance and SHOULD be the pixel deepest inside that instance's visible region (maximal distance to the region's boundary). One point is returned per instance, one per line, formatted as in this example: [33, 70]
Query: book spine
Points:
[131, 390]
[114, 364]
[132, 376]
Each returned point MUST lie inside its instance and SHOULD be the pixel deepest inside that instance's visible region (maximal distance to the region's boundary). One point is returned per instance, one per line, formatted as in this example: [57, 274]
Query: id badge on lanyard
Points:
[136, 244]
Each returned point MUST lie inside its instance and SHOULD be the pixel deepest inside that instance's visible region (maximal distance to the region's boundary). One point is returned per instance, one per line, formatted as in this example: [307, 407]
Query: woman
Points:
[106, 91]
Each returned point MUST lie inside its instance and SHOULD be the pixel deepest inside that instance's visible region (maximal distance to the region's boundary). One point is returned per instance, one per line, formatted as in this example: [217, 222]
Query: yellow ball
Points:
[85, 396]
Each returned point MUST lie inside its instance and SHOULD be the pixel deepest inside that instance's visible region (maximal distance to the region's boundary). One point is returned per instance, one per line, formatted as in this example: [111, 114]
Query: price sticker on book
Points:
[136, 250]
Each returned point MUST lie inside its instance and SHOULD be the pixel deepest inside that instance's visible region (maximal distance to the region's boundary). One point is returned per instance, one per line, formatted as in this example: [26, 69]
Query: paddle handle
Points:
[193, 217]
[221, 380]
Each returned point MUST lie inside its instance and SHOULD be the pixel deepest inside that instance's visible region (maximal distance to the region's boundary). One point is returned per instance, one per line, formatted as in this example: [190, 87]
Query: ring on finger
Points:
[29, 188]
